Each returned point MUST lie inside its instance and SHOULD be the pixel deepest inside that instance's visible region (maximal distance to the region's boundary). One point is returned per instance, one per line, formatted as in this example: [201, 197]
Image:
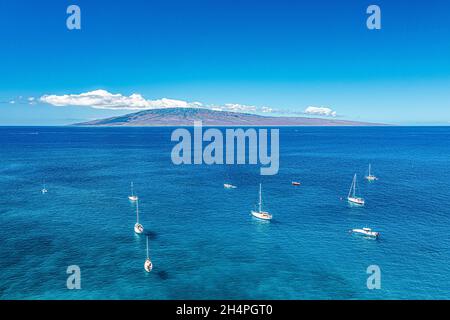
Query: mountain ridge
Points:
[187, 116]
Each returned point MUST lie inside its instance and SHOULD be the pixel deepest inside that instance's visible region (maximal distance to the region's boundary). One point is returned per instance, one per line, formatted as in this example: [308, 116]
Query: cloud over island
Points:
[102, 99]
[320, 111]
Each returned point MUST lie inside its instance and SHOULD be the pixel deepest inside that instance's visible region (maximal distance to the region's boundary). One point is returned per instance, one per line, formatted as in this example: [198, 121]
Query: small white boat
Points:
[260, 214]
[138, 228]
[229, 186]
[367, 232]
[44, 189]
[148, 265]
[352, 194]
[370, 176]
[133, 197]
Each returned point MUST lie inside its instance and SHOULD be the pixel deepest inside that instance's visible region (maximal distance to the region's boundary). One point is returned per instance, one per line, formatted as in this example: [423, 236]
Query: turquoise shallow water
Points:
[203, 242]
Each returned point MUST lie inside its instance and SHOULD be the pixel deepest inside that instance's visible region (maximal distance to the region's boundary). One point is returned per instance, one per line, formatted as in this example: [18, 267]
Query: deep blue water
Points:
[203, 242]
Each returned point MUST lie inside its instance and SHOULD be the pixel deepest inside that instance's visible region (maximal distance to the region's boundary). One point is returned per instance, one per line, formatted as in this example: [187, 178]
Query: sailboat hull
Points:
[138, 228]
[148, 265]
[358, 201]
[133, 198]
[261, 215]
[367, 233]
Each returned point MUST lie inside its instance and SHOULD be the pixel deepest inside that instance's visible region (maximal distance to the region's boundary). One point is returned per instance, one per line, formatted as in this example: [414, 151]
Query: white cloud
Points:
[236, 107]
[267, 110]
[320, 111]
[31, 100]
[102, 99]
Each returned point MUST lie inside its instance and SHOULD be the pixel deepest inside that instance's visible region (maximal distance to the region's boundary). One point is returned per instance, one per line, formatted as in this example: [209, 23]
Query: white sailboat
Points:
[352, 194]
[44, 189]
[138, 228]
[148, 265]
[133, 197]
[228, 186]
[370, 176]
[366, 232]
[264, 215]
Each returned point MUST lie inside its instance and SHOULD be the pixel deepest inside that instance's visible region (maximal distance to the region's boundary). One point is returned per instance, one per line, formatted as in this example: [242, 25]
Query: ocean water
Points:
[203, 242]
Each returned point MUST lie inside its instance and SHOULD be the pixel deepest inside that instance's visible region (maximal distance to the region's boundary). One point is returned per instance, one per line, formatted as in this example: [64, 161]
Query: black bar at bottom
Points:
[226, 309]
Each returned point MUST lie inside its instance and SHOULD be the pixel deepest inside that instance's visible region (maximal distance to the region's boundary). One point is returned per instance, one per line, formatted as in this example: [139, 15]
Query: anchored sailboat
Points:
[138, 228]
[133, 197]
[148, 265]
[264, 215]
[370, 176]
[352, 194]
[366, 232]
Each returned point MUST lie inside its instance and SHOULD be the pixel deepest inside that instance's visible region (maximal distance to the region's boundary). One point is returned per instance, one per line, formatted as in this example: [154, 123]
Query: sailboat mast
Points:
[147, 247]
[352, 191]
[370, 165]
[260, 197]
[132, 192]
[137, 211]
[351, 188]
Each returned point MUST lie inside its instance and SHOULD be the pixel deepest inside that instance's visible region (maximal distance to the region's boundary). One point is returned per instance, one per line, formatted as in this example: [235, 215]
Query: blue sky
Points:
[283, 55]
